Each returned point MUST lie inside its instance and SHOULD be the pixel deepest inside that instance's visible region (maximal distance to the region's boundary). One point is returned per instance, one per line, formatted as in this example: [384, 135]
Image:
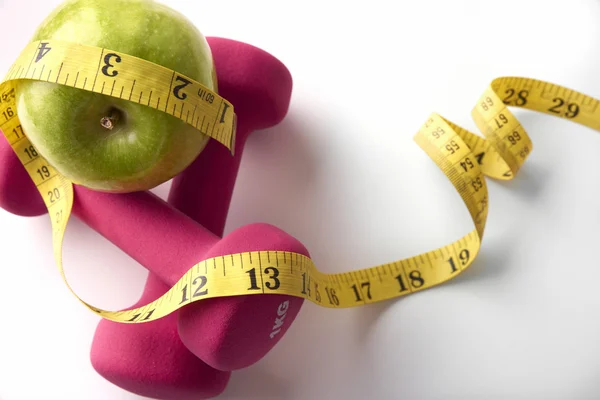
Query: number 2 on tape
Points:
[464, 157]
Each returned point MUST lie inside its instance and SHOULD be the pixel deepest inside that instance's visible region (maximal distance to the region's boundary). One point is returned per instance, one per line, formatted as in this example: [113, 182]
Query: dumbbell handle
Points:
[161, 238]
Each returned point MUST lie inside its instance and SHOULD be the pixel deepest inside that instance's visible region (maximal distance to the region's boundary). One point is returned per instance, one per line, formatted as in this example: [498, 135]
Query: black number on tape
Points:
[317, 294]
[203, 281]
[452, 147]
[438, 132]
[521, 99]
[7, 95]
[253, 283]
[31, 153]
[305, 284]
[467, 164]
[514, 137]
[502, 119]
[362, 285]
[148, 315]
[274, 274]
[108, 65]
[477, 184]
[44, 172]
[18, 131]
[54, 195]
[572, 108]
[176, 89]
[197, 292]
[44, 49]
[400, 279]
[416, 280]
[464, 258]
[8, 114]
[333, 299]
[487, 103]
[225, 107]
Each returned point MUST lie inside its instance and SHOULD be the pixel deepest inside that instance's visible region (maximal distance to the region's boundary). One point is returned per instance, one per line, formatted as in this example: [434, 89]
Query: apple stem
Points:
[110, 121]
[107, 123]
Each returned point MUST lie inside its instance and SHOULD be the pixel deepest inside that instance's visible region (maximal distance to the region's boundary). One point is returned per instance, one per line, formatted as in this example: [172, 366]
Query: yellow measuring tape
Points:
[464, 158]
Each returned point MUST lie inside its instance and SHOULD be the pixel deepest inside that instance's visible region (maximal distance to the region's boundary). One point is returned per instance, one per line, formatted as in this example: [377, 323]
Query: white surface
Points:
[522, 323]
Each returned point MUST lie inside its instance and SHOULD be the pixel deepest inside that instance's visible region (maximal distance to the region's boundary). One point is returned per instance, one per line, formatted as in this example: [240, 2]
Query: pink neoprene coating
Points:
[187, 355]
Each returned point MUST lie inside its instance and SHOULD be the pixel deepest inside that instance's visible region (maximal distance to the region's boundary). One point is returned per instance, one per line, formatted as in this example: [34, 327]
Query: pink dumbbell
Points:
[260, 92]
[227, 333]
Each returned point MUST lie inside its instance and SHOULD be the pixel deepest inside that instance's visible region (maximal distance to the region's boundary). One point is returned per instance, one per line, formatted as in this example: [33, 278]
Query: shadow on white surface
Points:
[257, 383]
[277, 175]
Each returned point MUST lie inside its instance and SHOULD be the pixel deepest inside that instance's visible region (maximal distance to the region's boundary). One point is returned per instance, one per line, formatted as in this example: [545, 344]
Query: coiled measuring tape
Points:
[464, 157]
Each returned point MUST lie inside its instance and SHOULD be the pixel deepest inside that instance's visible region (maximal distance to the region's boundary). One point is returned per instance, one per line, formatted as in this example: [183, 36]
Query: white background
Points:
[348, 181]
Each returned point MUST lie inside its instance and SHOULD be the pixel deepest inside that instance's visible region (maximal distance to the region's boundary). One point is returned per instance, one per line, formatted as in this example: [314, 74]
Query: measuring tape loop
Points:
[464, 157]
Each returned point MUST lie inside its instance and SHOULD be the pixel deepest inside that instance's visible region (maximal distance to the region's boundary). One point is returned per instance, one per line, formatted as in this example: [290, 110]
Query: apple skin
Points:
[146, 147]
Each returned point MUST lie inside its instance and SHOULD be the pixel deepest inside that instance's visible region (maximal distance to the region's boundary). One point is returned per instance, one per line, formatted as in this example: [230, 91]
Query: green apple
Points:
[103, 142]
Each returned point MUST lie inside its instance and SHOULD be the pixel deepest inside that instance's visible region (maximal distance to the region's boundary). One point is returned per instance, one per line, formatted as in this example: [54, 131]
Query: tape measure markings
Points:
[447, 156]
[135, 77]
[463, 157]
